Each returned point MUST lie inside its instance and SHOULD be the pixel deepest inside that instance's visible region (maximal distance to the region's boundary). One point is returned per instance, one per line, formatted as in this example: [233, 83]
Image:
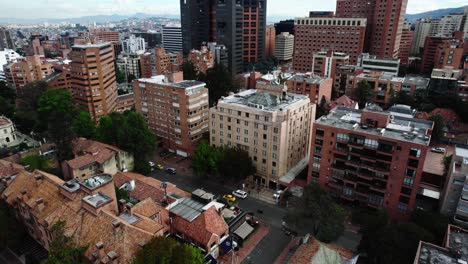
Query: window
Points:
[265, 127]
[275, 130]
[275, 139]
[264, 136]
[256, 125]
[275, 147]
[342, 137]
[408, 182]
[404, 199]
[410, 173]
[402, 207]
[316, 166]
[238, 137]
[246, 132]
[274, 155]
[221, 117]
[415, 152]
[320, 133]
[273, 164]
[267, 118]
[371, 143]
[246, 123]
[406, 191]
[246, 140]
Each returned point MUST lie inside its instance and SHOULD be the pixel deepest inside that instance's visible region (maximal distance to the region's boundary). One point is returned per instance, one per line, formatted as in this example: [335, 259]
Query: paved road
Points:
[271, 245]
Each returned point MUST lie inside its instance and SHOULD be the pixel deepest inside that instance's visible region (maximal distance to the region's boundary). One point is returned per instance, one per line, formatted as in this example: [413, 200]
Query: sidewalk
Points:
[264, 194]
[247, 247]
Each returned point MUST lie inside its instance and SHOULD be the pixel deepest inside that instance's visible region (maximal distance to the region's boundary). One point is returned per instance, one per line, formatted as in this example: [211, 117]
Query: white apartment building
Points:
[7, 56]
[284, 46]
[273, 126]
[133, 45]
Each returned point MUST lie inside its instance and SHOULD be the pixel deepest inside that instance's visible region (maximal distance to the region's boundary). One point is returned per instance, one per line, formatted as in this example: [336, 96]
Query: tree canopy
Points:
[162, 250]
[363, 93]
[317, 211]
[7, 100]
[36, 162]
[63, 250]
[439, 125]
[26, 116]
[83, 125]
[219, 82]
[189, 71]
[12, 232]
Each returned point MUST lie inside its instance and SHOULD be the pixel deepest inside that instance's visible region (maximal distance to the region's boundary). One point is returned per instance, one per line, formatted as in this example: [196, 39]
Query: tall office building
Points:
[172, 38]
[370, 157]
[270, 41]
[284, 47]
[312, 35]
[198, 18]
[93, 78]
[421, 31]
[6, 42]
[405, 44]
[384, 23]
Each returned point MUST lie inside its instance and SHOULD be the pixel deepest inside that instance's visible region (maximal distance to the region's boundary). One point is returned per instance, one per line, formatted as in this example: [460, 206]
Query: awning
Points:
[244, 230]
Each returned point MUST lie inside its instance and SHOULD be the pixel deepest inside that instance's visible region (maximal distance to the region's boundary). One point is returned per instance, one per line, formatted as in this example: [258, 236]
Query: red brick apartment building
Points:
[431, 44]
[385, 20]
[270, 41]
[370, 157]
[167, 62]
[383, 86]
[176, 110]
[26, 70]
[317, 34]
[407, 36]
[314, 86]
[324, 63]
[105, 34]
[93, 78]
[201, 59]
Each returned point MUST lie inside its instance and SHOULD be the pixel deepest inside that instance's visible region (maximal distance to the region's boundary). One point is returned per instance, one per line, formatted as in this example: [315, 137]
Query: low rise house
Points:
[8, 137]
[92, 157]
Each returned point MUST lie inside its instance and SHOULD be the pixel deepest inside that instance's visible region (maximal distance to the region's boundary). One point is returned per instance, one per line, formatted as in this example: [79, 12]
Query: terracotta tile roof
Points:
[306, 253]
[147, 208]
[89, 151]
[8, 168]
[91, 146]
[342, 101]
[84, 227]
[202, 228]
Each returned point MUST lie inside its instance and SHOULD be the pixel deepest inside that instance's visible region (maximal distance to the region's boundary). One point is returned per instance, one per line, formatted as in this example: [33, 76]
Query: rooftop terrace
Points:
[263, 100]
[400, 128]
[97, 181]
[161, 79]
[455, 252]
[97, 200]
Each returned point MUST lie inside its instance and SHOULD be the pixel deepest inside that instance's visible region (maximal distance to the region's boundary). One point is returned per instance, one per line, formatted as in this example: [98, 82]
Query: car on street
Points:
[229, 198]
[151, 164]
[163, 153]
[277, 194]
[159, 167]
[240, 193]
[171, 170]
[438, 150]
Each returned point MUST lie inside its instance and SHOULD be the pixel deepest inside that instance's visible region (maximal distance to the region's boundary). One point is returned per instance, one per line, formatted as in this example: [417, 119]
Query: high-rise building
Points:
[240, 26]
[152, 39]
[447, 25]
[133, 45]
[146, 65]
[285, 26]
[220, 53]
[270, 36]
[370, 157]
[6, 42]
[198, 18]
[421, 31]
[384, 23]
[273, 126]
[312, 36]
[284, 47]
[93, 74]
[324, 63]
[26, 70]
[7, 56]
[176, 110]
[130, 64]
[405, 44]
[172, 38]
[449, 54]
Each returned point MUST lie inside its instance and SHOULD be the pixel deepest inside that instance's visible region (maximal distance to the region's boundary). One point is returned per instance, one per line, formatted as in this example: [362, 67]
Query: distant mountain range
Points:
[435, 13]
[84, 20]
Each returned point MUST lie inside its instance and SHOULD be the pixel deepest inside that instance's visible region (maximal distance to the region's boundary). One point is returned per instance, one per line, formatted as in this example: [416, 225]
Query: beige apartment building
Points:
[26, 70]
[272, 125]
[93, 78]
[176, 110]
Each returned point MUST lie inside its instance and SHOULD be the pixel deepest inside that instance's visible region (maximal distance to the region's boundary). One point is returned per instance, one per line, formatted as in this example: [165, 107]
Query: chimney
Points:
[129, 207]
[24, 194]
[100, 248]
[116, 225]
[40, 204]
[112, 256]
[122, 206]
[38, 178]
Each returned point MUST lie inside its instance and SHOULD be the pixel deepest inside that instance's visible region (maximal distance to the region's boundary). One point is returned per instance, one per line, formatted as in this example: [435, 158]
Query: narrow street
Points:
[271, 245]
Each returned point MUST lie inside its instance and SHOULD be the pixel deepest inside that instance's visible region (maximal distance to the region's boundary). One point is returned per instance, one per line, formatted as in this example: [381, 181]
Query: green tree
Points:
[130, 77]
[317, 211]
[36, 162]
[83, 125]
[439, 125]
[434, 222]
[56, 109]
[62, 249]
[163, 250]
[119, 75]
[235, 164]
[189, 71]
[26, 115]
[396, 243]
[363, 93]
[7, 100]
[12, 232]
[219, 82]
[446, 162]
[205, 159]
[128, 131]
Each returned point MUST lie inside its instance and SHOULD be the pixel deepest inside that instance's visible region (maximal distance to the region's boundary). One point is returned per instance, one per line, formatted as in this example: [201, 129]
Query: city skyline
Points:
[73, 8]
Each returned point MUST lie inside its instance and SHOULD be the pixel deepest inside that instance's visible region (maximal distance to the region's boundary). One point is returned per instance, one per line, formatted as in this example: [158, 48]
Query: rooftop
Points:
[161, 79]
[384, 76]
[308, 78]
[97, 181]
[416, 80]
[400, 128]
[92, 45]
[187, 208]
[71, 186]
[402, 110]
[263, 100]
[97, 200]
[5, 121]
[455, 250]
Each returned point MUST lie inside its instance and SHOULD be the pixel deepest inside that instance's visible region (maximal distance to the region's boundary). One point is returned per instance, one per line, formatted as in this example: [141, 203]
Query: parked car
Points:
[171, 170]
[438, 150]
[159, 167]
[151, 164]
[277, 194]
[163, 153]
[229, 197]
[240, 193]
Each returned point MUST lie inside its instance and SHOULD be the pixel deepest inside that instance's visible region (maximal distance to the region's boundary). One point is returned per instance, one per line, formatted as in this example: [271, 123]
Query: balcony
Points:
[342, 151]
[335, 185]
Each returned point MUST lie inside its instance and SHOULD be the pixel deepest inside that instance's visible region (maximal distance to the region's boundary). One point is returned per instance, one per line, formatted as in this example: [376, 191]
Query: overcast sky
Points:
[77, 8]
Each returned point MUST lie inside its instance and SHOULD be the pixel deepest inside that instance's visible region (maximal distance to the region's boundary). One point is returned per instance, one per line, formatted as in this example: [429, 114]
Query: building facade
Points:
[202, 59]
[431, 45]
[26, 70]
[312, 36]
[105, 35]
[167, 61]
[198, 18]
[176, 110]
[271, 125]
[8, 136]
[422, 30]
[371, 157]
[316, 87]
[343, 82]
[172, 38]
[93, 78]
[284, 47]
[133, 45]
[324, 63]
[372, 63]
[6, 42]
[406, 42]
[384, 21]
[383, 86]
[270, 39]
